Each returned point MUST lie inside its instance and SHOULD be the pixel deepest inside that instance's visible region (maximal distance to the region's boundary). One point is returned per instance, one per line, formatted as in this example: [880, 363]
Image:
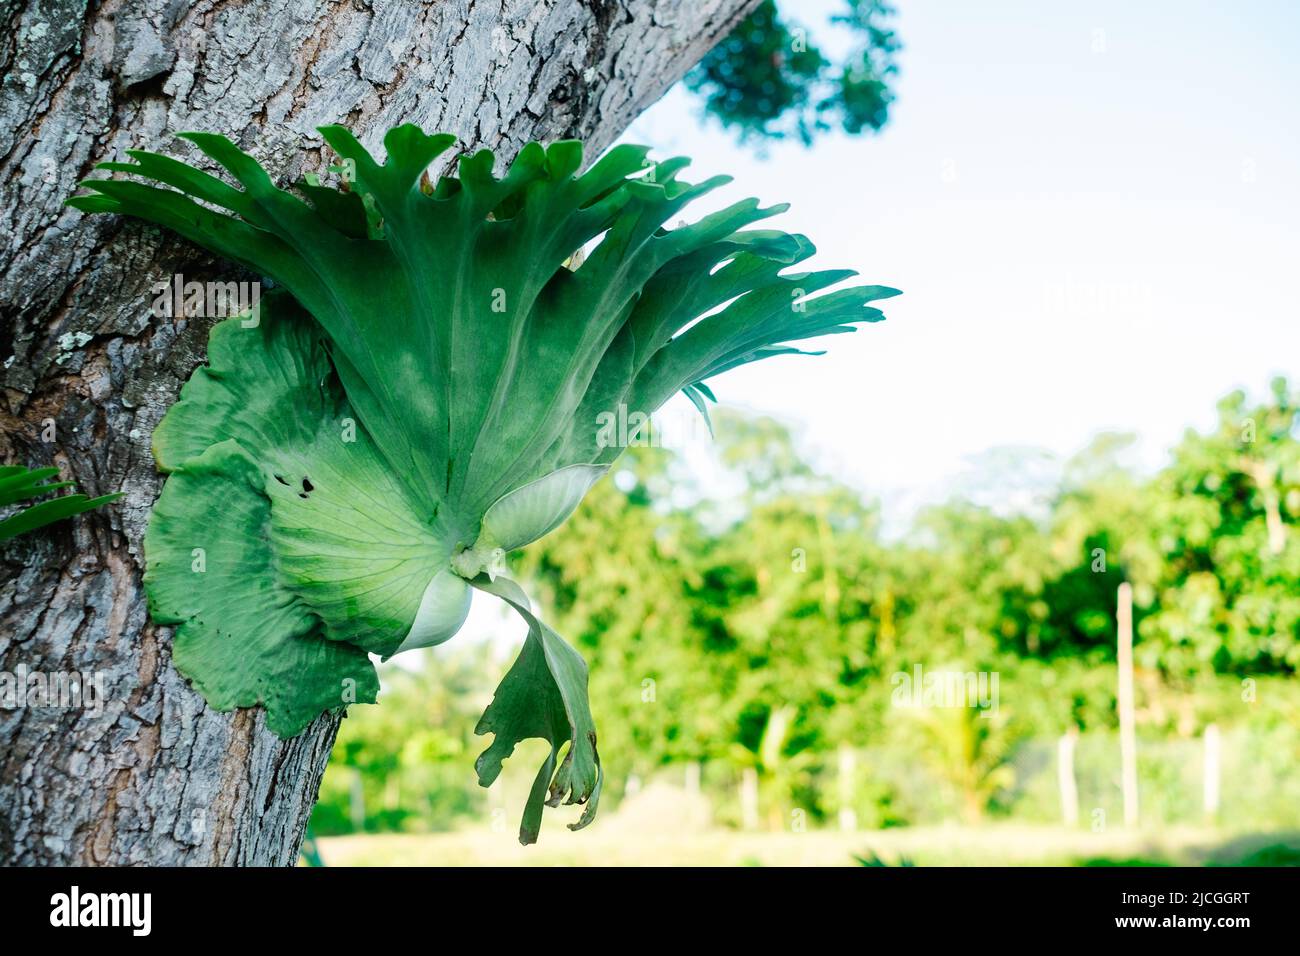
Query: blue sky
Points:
[1092, 209]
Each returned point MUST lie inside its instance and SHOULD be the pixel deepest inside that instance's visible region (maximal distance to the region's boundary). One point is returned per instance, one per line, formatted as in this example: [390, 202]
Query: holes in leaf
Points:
[307, 487]
[280, 479]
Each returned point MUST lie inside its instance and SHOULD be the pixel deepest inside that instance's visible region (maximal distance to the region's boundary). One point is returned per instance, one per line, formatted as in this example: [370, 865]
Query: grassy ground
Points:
[1002, 845]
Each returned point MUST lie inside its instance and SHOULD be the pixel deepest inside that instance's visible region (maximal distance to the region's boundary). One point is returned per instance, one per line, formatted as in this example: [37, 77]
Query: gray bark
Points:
[156, 776]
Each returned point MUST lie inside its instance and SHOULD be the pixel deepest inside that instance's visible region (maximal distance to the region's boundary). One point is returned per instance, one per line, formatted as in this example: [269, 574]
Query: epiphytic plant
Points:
[425, 399]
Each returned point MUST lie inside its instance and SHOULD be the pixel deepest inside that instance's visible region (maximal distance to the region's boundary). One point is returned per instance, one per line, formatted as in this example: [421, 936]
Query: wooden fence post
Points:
[693, 774]
[749, 798]
[1213, 745]
[847, 766]
[1065, 777]
[1127, 729]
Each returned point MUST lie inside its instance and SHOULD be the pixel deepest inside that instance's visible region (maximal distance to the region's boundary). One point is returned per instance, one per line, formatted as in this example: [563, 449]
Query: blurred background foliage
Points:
[757, 636]
[771, 80]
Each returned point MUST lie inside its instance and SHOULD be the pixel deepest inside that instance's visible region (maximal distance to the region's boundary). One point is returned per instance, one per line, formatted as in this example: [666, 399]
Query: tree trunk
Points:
[153, 775]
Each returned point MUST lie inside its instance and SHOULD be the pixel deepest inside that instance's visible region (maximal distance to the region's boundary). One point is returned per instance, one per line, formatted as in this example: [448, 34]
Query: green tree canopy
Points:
[769, 80]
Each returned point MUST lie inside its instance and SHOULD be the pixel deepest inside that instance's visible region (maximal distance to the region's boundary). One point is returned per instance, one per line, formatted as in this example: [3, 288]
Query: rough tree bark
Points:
[156, 776]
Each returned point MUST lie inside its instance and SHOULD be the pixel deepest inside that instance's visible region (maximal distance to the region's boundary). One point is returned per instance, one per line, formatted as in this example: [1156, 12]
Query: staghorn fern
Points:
[425, 399]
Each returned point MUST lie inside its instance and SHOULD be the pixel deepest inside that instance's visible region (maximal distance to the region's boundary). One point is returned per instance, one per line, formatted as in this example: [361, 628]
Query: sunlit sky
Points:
[1092, 209]
[1093, 212]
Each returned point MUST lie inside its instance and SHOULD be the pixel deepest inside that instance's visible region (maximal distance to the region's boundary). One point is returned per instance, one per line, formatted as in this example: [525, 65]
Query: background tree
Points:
[1227, 595]
[769, 80]
[87, 371]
